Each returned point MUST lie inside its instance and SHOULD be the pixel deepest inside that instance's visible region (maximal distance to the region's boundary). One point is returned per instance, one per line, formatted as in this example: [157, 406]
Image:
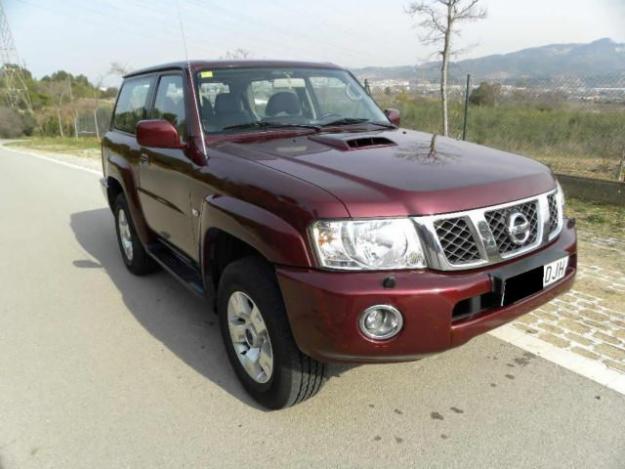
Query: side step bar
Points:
[178, 265]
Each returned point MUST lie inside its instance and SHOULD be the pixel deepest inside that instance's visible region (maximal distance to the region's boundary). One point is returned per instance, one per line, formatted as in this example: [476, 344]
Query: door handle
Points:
[144, 159]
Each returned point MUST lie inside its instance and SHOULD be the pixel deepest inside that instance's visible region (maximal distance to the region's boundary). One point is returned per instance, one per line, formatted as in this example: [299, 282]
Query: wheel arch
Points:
[232, 229]
[120, 180]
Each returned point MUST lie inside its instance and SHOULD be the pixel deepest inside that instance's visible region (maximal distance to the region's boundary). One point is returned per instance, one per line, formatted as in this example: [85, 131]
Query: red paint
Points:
[157, 134]
[266, 187]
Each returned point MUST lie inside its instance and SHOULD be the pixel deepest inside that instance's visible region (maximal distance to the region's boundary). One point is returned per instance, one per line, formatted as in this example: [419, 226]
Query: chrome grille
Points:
[554, 214]
[479, 237]
[457, 241]
[498, 222]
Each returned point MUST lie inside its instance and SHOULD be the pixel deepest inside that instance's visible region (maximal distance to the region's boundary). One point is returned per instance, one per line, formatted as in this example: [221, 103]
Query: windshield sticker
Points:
[206, 74]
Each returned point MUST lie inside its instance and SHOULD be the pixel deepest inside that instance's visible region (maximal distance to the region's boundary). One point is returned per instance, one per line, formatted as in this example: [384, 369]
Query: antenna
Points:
[195, 100]
[16, 92]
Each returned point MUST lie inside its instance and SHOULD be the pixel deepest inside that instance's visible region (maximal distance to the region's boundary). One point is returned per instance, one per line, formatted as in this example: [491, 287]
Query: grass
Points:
[580, 139]
[598, 220]
[83, 146]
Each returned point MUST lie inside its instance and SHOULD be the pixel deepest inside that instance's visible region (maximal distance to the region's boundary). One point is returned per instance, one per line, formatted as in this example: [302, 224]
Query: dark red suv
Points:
[322, 230]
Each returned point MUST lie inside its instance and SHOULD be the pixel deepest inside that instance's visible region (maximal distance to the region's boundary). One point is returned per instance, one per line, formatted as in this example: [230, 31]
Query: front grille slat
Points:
[498, 221]
[457, 241]
[490, 235]
[554, 214]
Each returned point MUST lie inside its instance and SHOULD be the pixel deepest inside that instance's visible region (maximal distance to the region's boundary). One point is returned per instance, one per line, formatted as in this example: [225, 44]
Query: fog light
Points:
[381, 322]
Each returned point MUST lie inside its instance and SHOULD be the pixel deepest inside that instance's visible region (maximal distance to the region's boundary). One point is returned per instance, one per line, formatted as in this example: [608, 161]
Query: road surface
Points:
[102, 369]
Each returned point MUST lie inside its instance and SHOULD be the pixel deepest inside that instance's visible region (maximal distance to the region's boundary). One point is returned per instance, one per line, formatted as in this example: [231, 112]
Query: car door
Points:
[165, 174]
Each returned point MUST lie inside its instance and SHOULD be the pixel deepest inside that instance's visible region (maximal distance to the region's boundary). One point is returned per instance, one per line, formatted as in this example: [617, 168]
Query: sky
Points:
[85, 36]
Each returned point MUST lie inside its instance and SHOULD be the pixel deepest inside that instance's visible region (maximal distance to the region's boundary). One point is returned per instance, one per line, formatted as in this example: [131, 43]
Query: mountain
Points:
[598, 60]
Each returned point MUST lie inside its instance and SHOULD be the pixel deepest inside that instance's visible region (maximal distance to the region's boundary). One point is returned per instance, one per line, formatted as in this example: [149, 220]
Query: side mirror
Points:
[157, 134]
[393, 116]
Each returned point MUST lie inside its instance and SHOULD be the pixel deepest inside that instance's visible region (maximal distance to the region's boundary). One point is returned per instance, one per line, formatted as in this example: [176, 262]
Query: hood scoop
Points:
[346, 142]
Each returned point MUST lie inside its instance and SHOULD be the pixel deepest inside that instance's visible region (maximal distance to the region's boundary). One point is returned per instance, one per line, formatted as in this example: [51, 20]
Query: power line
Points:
[15, 90]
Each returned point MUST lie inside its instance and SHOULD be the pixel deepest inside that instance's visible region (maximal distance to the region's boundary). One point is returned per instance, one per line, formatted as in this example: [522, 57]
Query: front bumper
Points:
[324, 307]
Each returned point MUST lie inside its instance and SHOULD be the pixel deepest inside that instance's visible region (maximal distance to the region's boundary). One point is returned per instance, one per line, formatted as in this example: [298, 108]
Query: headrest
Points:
[284, 101]
[226, 102]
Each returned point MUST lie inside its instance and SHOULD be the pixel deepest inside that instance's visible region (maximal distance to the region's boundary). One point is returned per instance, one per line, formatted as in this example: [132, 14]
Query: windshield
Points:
[232, 100]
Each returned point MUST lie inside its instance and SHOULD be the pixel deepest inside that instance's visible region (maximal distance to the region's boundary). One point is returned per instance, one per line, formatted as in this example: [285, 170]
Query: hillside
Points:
[595, 62]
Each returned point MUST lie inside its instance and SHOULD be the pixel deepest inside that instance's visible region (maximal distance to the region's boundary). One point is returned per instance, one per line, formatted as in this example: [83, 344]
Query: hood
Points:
[401, 172]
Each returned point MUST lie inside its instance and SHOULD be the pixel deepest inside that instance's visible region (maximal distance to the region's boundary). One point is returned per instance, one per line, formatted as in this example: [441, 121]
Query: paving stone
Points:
[595, 316]
[585, 353]
[620, 333]
[597, 325]
[525, 328]
[610, 351]
[554, 340]
[615, 365]
[549, 308]
[606, 338]
[578, 338]
[574, 326]
[546, 316]
[527, 319]
[568, 314]
[550, 328]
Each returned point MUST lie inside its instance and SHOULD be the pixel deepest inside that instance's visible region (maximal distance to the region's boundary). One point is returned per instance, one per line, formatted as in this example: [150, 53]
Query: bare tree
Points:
[237, 54]
[118, 69]
[440, 19]
[59, 92]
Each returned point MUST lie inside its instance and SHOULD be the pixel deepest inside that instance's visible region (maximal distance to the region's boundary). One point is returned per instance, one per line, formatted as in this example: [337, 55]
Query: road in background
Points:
[99, 368]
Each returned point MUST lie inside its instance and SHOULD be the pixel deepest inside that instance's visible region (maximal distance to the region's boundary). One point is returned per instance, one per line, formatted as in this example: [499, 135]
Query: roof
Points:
[197, 65]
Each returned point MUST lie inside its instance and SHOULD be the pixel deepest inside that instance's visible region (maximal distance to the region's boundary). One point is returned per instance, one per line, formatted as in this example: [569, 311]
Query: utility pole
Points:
[15, 90]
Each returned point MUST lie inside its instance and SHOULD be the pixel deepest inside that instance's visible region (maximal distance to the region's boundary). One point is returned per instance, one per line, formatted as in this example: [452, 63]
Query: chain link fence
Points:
[575, 125]
[93, 123]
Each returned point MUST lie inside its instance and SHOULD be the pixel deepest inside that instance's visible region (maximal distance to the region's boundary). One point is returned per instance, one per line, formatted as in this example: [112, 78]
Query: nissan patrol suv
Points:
[321, 230]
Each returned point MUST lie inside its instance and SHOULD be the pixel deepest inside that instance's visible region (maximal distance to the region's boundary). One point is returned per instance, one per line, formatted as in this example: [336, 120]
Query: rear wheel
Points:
[258, 338]
[137, 260]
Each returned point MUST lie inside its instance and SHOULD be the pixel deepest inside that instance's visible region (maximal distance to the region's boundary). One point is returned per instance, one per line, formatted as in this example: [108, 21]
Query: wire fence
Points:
[93, 123]
[575, 125]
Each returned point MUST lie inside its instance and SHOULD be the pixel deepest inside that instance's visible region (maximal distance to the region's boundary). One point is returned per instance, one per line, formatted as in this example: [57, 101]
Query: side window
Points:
[132, 103]
[169, 102]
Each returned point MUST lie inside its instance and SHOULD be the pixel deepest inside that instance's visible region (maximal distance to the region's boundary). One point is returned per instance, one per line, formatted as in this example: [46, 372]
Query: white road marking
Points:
[590, 369]
[585, 367]
[53, 160]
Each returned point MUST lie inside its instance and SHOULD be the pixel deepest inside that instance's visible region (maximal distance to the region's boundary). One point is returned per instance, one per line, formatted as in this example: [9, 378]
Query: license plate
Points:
[554, 271]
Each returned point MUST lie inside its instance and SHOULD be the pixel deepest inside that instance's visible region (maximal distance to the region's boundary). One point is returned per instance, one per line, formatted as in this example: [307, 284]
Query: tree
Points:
[237, 54]
[59, 93]
[440, 20]
[486, 94]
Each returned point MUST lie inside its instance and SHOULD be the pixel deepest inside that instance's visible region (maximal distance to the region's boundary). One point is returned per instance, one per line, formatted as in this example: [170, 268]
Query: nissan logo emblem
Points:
[519, 228]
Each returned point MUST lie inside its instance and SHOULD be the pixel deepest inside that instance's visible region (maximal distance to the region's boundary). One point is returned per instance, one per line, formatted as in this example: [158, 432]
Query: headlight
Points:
[384, 244]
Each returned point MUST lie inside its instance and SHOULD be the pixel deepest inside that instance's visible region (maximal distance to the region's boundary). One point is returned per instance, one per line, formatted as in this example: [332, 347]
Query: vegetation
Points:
[60, 104]
[598, 219]
[85, 146]
[573, 138]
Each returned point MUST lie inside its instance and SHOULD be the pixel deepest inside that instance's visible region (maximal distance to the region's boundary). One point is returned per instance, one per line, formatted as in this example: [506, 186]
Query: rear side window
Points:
[132, 104]
[169, 103]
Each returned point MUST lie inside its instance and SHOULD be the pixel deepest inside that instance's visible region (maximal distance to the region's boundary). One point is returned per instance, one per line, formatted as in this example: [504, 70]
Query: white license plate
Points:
[554, 271]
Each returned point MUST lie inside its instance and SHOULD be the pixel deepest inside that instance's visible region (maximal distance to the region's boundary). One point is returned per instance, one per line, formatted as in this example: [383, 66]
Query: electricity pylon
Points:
[14, 87]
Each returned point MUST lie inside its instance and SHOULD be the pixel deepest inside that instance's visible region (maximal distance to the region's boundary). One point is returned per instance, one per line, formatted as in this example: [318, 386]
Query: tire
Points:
[294, 377]
[134, 255]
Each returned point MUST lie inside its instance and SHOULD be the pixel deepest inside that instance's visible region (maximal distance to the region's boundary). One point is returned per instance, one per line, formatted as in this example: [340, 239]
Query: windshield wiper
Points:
[352, 120]
[270, 125]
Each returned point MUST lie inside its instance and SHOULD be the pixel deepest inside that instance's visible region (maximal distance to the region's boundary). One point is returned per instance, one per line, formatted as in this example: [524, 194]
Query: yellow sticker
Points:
[206, 74]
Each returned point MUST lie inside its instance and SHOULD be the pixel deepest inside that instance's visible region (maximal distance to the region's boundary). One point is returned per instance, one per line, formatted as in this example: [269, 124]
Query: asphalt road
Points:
[102, 369]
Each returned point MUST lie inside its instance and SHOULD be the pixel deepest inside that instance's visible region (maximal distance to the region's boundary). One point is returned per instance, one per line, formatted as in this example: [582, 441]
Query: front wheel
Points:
[137, 260]
[258, 339]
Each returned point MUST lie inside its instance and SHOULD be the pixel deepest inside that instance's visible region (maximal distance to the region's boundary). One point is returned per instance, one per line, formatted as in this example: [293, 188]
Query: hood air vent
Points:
[349, 142]
[363, 142]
